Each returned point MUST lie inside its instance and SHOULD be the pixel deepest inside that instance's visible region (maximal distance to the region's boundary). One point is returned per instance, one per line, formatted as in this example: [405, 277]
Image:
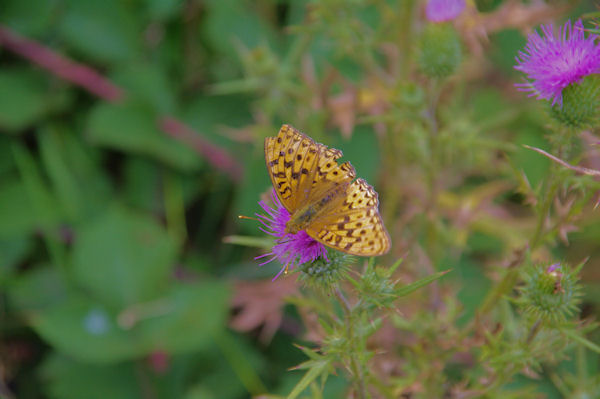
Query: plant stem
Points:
[583, 341]
[504, 286]
[433, 165]
[355, 368]
[546, 204]
[241, 366]
[562, 147]
[174, 206]
[533, 332]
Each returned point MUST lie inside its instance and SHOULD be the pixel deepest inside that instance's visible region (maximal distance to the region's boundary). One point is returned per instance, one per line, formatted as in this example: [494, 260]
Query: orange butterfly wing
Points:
[303, 172]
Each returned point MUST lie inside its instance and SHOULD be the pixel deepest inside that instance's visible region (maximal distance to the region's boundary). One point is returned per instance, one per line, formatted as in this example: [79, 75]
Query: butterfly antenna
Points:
[248, 217]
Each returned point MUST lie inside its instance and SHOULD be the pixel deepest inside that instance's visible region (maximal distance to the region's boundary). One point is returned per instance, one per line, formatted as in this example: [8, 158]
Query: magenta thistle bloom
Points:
[551, 62]
[443, 10]
[553, 268]
[289, 249]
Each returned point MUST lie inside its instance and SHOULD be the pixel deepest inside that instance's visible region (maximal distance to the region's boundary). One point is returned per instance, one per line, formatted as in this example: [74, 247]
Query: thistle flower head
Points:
[443, 10]
[326, 273]
[550, 293]
[553, 62]
[291, 249]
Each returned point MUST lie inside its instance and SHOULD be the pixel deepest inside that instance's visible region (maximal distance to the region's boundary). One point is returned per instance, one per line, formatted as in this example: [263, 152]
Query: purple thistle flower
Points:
[289, 249]
[551, 62]
[553, 268]
[443, 10]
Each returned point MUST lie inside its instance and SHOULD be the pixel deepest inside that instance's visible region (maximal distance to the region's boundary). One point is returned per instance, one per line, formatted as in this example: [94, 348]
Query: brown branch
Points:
[578, 169]
[215, 155]
[76, 73]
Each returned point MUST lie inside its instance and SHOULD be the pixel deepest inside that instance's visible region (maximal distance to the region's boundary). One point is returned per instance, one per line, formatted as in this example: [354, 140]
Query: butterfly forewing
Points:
[303, 173]
[291, 159]
[279, 165]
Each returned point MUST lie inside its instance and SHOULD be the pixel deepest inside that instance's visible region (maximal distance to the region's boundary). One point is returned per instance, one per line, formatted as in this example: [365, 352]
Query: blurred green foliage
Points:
[114, 277]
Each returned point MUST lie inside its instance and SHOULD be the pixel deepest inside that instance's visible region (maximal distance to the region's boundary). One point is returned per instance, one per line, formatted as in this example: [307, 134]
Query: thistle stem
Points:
[355, 368]
[554, 180]
[533, 332]
[547, 203]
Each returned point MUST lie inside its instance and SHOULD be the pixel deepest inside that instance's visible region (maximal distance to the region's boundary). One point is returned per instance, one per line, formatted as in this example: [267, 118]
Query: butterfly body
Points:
[302, 218]
[322, 197]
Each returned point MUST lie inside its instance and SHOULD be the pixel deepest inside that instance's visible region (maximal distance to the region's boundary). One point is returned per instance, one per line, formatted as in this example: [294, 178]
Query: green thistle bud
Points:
[326, 272]
[376, 285]
[580, 103]
[439, 50]
[550, 293]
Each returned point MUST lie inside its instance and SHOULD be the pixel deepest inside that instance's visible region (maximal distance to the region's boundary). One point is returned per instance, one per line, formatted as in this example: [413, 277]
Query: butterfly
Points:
[322, 197]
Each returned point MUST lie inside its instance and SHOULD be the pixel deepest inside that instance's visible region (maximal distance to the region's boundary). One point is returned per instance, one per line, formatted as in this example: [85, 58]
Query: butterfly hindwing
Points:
[356, 226]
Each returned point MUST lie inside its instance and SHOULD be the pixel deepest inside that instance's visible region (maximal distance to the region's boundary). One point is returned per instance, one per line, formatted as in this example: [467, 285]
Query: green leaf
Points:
[505, 44]
[311, 353]
[22, 99]
[581, 339]
[362, 150]
[208, 114]
[78, 181]
[256, 181]
[531, 164]
[37, 289]
[123, 257]
[12, 250]
[195, 314]
[68, 379]
[407, 289]
[106, 30]
[147, 84]
[247, 241]
[199, 391]
[349, 68]
[18, 15]
[162, 9]
[87, 331]
[7, 165]
[133, 128]
[185, 320]
[66, 188]
[15, 210]
[142, 178]
[229, 23]
[317, 368]
[241, 358]
[43, 203]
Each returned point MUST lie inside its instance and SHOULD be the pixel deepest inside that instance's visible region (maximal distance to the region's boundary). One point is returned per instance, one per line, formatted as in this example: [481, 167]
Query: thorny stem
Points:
[553, 184]
[432, 167]
[405, 37]
[533, 331]
[554, 179]
[356, 370]
[346, 305]
[504, 286]
[546, 204]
